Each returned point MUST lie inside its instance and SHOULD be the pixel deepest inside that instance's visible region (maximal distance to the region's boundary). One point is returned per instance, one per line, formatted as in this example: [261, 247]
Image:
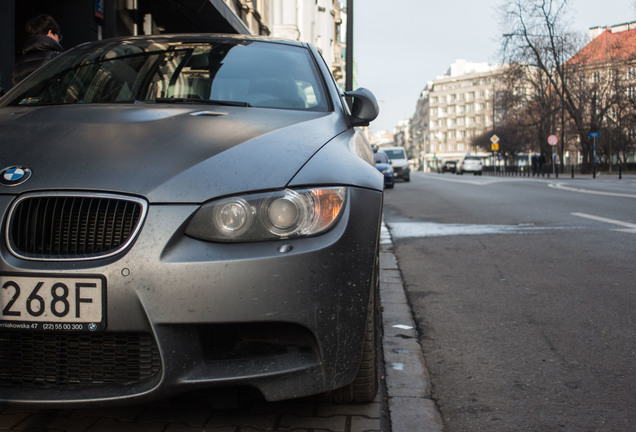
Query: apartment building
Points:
[453, 109]
[319, 22]
[603, 74]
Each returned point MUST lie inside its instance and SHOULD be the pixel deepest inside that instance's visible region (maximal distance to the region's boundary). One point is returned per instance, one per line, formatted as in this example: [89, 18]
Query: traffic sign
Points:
[494, 139]
[553, 140]
[494, 147]
[594, 134]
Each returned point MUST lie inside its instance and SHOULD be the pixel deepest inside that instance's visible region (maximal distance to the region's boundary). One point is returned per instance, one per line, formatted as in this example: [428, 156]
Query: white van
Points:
[399, 161]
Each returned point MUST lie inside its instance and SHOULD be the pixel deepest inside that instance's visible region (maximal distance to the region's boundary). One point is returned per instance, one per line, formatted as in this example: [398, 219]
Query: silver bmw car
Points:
[184, 212]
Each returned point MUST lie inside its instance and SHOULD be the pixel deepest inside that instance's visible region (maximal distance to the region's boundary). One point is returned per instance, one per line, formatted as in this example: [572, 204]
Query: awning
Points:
[194, 16]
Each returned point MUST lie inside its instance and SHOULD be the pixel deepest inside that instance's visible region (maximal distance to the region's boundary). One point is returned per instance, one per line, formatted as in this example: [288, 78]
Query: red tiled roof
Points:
[608, 47]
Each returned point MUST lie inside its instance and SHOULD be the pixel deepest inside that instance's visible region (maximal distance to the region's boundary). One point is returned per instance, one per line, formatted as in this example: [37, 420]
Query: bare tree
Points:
[537, 36]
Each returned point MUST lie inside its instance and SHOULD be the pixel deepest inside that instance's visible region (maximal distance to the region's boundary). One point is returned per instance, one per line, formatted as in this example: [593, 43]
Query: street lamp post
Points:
[562, 102]
[349, 53]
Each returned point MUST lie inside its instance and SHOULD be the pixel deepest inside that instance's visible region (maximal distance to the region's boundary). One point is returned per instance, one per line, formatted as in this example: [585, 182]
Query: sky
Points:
[400, 45]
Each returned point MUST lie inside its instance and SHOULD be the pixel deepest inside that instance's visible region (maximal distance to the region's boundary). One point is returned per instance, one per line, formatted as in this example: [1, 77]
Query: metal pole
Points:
[349, 55]
[594, 157]
[553, 162]
[562, 104]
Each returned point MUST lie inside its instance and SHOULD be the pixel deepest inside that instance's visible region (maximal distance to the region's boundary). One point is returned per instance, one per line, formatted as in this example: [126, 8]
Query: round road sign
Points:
[553, 140]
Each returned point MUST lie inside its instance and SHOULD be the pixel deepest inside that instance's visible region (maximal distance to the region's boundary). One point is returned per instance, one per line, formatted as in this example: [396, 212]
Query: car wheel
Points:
[364, 387]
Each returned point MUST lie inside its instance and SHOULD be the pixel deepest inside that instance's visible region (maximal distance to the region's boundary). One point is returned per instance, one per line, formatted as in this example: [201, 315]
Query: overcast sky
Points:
[402, 44]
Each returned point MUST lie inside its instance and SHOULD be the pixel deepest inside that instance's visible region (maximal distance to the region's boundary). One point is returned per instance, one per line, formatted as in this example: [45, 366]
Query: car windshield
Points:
[395, 154]
[381, 157]
[245, 73]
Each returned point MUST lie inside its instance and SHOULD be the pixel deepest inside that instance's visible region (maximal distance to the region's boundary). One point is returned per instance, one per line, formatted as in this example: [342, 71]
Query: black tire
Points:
[364, 387]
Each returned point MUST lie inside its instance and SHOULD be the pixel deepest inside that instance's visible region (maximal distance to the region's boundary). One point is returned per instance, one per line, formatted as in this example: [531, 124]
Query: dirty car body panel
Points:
[168, 227]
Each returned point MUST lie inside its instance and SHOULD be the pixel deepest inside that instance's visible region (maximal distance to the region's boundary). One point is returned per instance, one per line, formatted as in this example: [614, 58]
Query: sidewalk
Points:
[408, 386]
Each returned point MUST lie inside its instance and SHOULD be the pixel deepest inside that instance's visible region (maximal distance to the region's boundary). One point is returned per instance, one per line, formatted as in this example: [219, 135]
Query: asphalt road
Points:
[524, 294]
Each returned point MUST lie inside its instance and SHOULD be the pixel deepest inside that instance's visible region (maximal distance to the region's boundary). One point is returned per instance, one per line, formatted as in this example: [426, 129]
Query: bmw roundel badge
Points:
[15, 175]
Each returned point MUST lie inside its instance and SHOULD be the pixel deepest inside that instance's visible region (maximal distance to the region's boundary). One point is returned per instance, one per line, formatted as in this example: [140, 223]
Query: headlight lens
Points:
[233, 217]
[269, 216]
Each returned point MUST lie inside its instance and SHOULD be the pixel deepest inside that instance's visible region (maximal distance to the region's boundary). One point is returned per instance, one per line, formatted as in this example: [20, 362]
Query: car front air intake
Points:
[73, 226]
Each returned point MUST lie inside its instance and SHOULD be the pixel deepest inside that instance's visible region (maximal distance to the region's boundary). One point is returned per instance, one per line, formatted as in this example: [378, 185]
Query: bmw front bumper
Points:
[285, 317]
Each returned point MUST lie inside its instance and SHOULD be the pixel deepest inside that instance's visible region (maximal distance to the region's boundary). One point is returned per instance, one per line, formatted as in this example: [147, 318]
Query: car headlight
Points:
[268, 216]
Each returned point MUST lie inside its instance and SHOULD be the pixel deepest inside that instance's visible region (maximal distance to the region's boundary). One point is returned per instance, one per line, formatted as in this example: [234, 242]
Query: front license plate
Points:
[47, 302]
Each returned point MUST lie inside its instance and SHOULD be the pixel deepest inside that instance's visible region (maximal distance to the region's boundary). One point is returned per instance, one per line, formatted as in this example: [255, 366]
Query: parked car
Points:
[183, 212]
[449, 166]
[399, 162]
[383, 165]
[470, 164]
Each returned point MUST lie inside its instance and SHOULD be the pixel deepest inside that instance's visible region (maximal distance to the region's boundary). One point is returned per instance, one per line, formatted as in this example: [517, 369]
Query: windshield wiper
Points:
[202, 101]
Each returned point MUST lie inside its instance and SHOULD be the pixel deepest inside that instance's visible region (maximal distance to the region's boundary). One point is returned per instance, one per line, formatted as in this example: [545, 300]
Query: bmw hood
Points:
[166, 153]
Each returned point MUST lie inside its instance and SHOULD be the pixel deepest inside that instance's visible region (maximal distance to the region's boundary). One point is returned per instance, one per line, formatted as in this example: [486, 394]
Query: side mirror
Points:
[364, 108]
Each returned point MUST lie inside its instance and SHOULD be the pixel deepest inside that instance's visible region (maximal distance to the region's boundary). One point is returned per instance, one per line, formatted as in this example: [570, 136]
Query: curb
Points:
[411, 407]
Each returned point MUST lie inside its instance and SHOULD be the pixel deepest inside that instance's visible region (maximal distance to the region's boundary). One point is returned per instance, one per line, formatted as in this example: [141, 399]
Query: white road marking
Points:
[561, 186]
[430, 229]
[631, 228]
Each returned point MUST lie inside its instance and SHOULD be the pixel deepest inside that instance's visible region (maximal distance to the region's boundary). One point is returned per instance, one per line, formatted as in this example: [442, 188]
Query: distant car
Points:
[383, 165]
[181, 212]
[470, 164]
[399, 162]
[449, 166]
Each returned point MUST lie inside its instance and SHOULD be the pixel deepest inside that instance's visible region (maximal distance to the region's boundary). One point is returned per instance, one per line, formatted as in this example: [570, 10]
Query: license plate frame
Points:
[52, 302]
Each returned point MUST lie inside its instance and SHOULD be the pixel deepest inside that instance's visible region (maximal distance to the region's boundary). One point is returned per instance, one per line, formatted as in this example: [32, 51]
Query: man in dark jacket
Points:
[42, 44]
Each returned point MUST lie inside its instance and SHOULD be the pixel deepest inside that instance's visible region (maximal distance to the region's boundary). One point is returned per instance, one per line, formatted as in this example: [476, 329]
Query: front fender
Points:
[346, 160]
